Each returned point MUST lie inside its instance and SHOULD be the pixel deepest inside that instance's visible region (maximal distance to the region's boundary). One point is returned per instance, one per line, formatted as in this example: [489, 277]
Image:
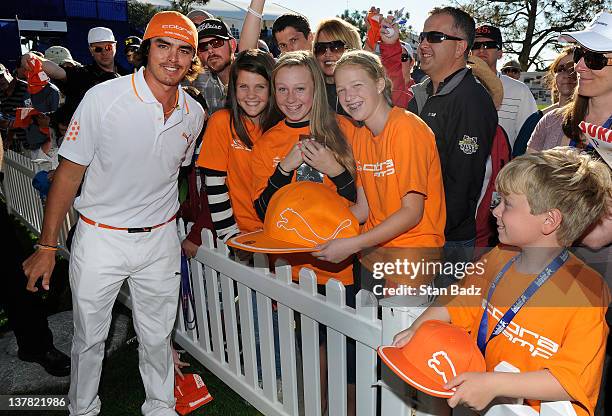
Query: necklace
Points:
[167, 113]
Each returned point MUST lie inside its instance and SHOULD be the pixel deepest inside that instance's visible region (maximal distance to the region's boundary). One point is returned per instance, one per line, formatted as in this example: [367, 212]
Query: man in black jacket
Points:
[462, 116]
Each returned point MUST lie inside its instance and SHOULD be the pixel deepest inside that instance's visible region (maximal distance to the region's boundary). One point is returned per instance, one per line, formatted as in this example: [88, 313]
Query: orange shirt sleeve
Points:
[215, 143]
[413, 154]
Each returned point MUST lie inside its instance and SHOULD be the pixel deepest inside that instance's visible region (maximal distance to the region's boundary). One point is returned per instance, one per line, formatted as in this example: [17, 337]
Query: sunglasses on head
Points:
[99, 49]
[592, 60]
[567, 69]
[489, 44]
[215, 43]
[336, 46]
[436, 37]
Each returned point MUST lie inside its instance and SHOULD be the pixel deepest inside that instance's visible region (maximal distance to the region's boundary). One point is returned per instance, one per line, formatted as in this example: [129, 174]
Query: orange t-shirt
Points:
[403, 158]
[222, 150]
[268, 152]
[562, 327]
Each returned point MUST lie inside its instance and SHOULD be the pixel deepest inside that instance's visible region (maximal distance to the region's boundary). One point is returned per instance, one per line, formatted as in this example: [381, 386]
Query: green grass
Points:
[122, 393]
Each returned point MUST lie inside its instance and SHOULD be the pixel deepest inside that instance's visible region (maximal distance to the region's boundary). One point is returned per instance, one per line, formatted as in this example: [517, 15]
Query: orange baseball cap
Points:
[173, 25]
[300, 216]
[436, 353]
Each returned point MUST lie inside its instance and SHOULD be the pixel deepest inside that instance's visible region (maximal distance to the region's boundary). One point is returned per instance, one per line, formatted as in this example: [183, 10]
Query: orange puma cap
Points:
[437, 353]
[300, 216]
[173, 25]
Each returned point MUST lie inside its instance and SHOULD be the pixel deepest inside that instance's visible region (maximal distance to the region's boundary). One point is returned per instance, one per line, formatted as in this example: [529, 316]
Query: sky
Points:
[317, 10]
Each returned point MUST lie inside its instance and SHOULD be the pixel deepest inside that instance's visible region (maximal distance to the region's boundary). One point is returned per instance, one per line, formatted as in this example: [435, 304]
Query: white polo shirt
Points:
[133, 157]
[518, 104]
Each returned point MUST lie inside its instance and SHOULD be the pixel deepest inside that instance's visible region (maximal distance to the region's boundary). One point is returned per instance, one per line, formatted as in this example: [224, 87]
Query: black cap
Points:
[213, 28]
[132, 41]
[491, 32]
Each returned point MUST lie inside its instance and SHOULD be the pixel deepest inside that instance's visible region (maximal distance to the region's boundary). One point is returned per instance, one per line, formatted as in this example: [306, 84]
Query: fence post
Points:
[397, 397]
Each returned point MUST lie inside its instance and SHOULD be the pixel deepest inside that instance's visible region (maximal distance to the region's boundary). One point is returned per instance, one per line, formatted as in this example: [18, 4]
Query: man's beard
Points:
[219, 65]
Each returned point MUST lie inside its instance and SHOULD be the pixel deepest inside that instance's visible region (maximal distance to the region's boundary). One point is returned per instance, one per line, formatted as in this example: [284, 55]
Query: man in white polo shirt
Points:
[128, 138]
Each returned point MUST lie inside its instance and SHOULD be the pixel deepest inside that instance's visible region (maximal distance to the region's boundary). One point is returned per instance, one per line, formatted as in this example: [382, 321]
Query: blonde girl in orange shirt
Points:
[401, 198]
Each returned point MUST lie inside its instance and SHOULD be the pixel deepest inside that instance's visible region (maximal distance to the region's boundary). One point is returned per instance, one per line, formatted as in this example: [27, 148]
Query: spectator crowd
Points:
[450, 166]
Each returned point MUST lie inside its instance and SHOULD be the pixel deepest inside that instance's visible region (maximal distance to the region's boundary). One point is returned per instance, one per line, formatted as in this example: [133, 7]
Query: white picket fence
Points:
[23, 201]
[225, 341]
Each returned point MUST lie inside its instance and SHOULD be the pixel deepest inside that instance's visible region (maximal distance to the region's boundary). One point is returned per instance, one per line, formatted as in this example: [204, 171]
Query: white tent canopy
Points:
[232, 12]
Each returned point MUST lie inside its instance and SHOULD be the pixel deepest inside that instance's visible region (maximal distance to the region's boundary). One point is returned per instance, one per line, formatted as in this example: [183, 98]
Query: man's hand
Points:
[178, 364]
[335, 251]
[473, 390]
[40, 264]
[190, 248]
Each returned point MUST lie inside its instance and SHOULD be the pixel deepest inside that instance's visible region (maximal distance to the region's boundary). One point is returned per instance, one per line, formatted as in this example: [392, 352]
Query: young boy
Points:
[557, 337]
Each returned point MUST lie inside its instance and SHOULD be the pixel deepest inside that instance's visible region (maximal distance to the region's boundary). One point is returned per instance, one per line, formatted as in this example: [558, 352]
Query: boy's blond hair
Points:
[562, 178]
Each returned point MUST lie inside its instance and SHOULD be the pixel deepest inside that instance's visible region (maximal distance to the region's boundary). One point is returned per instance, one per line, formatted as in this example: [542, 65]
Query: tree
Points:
[139, 14]
[530, 26]
[357, 19]
[184, 6]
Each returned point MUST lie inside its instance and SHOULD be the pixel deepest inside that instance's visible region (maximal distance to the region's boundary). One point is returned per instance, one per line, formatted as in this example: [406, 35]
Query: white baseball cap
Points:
[596, 37]
[100, 34]
[408, 49]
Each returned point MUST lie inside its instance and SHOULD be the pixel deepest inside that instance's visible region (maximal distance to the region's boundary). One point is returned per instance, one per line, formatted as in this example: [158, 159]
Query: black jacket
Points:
[80, 79]
[464, 120]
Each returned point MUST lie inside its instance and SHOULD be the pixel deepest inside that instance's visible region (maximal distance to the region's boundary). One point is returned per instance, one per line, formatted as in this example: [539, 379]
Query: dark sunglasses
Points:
[406, 57]
[567, 69]
[99, 49]
[510, 71]
[215, 43]
[592, 60]
[489, 44]
[436, 37]
[336, 46]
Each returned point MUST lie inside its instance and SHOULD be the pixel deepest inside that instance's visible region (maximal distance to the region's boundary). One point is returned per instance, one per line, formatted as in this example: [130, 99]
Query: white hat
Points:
[408, 48]
[100, 34]
[59, 55]
[596, 37]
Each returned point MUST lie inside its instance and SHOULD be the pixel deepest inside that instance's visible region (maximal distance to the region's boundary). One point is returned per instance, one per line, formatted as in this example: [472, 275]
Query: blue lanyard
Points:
[548, 271]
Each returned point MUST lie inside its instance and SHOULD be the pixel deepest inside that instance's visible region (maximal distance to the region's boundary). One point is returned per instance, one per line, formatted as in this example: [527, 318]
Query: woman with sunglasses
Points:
[592, 100]
[401, 197]
[561, 78]
[228, 142]
[333, 37]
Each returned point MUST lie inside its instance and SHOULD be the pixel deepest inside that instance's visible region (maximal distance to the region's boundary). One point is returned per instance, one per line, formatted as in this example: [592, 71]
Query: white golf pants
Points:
[100, 261]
